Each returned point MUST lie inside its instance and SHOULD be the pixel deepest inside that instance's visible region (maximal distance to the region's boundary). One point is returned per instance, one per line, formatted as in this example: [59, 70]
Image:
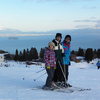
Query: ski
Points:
[73, 89]
[78, 89]
[56, 89]
[64, 89]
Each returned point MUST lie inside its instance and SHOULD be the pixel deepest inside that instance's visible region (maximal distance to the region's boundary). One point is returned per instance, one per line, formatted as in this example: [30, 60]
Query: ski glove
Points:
[48, 67]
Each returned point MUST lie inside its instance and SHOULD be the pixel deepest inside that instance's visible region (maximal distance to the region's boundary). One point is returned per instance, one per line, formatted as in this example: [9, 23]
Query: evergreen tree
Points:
[95, 54]
[16, 57]
[35, 53]
[89, 55]
[80, 52]
[24, 55]
[27, 55]
[98, 53]
[20, 56]
[42, 52]
[95, 51]
[31, 53]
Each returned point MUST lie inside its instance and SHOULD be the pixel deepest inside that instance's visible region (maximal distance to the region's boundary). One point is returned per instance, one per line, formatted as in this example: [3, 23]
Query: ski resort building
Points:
[1, 57]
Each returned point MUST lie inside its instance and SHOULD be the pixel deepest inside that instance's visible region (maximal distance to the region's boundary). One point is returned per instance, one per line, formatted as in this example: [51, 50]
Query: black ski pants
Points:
[58, 75]
[66, 72]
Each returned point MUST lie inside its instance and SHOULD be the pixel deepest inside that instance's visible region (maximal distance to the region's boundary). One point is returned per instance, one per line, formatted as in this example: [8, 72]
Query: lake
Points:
[83, 41]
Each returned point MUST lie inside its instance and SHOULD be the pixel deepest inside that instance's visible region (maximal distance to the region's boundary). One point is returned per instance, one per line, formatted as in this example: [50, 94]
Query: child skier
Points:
[50, 65]
[66, 60]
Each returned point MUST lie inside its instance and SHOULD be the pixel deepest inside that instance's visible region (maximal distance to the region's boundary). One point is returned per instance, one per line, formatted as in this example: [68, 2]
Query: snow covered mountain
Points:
[2, 28]
[14, 32]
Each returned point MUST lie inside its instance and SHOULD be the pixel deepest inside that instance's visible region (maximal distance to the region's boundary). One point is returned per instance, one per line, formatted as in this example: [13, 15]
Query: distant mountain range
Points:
[14, 32]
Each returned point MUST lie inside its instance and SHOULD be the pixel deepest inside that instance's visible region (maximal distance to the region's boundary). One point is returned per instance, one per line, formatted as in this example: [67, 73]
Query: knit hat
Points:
[58, 34]
[51, 43]
[68, 36]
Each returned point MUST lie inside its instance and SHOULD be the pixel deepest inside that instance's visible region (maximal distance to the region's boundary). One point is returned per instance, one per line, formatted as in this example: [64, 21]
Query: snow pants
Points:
[66, 72]
[50, 73]
[58, 75]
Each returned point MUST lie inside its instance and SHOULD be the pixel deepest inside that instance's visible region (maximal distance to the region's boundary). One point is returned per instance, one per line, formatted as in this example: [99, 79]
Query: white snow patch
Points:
[13, 87]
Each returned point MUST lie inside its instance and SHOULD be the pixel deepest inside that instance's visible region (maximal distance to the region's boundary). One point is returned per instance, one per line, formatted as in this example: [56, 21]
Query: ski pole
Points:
[40, 76]
[33, 74]
[62, 71]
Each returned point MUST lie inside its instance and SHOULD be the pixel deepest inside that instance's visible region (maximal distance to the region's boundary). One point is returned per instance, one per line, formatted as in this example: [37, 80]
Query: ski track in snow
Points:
[13, 87]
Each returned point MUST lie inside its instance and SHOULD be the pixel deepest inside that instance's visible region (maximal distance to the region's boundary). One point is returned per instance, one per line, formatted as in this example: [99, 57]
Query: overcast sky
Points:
[46, 15]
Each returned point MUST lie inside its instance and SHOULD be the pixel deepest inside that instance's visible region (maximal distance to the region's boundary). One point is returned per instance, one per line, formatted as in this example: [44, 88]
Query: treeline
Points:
[28, 55]
[89, 54]
[2, 51]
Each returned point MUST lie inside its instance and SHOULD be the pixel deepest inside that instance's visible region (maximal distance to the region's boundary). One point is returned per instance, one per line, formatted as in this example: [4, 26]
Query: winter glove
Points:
[63, 55]
[69, 63]
[54, 67]
[48, 67]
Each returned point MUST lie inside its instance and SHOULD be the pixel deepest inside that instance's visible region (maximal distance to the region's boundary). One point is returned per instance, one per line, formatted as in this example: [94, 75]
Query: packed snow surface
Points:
[17, 80]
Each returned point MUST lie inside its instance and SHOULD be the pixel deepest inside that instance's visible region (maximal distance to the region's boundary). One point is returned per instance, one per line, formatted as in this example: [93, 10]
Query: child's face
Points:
[51, 47]
[67, 39]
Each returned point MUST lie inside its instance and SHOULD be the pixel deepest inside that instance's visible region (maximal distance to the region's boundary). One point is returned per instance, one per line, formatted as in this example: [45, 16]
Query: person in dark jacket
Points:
[98, 64]
[66, 60]
[59, 51]
[50, 64]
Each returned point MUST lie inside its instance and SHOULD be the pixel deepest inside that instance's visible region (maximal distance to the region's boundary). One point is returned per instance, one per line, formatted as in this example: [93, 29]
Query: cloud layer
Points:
[87, 20]
[97, 25]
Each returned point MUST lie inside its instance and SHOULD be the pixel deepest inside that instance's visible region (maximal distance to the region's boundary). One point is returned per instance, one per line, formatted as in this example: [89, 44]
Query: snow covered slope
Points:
[13, 87]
